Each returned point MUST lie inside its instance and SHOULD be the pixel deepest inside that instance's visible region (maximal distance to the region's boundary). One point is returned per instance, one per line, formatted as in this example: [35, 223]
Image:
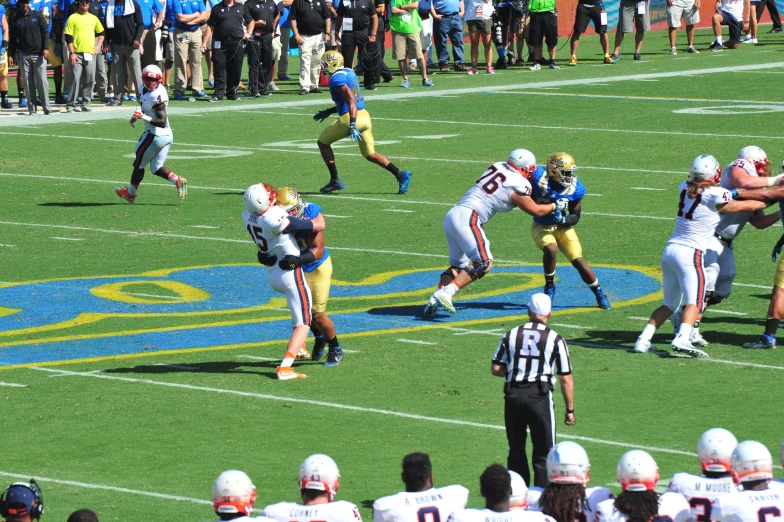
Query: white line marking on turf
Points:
[203, 226]
[639, 318]
[337, 217]
[257, 358]
[414, 341]
[13, 385]
[575, 326]
[397, 210]
[740, 363]
[8, 246]
[646, 188]
[752, 286]
[67, 238]
[324, 404]
[432, 137]
[728, 312]
[94, 371]
[468, 331]
[177, 366]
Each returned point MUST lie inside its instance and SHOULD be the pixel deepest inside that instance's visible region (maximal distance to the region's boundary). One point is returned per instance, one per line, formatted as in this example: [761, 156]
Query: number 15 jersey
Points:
[432, 505]
[493, 191]
[698, 217]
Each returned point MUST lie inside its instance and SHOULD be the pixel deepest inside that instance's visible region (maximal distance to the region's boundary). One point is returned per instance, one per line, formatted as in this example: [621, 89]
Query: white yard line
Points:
[768, 287]
[13, 385]
[359, 409]
[468, 331]
[332, 216]
[397, 210]
[202, 226]
[414, 341]
[646, 188]
[67, 238]
[728, 312]
[638, 318]
[258, 358]
[575, 326]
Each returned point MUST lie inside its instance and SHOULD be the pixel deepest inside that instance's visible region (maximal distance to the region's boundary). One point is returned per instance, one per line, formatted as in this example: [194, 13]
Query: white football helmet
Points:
[260, 197]
[715, 450]
[637, 471]
[704, 168]
[751, 460]
[567, 463]
[758, 157]
[523, 160]
[152, 77]
[233, 492]
[320, 472]
[519, 497]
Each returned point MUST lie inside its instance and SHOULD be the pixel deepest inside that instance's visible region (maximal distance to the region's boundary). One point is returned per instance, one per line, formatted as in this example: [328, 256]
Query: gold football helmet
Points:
[289, 200]
[561, 167]
[331, 61]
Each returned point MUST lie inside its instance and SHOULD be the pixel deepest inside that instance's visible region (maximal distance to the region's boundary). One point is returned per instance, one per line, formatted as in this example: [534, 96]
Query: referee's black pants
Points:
[353, 41]
[259, 63]
[228, 67]
[382, 71]
[529, 406]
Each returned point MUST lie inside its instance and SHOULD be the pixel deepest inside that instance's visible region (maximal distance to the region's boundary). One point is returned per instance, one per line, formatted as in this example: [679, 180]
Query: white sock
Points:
[685, 330]
[647, 332]
[451, 289]
[719, 40]
[132, 190]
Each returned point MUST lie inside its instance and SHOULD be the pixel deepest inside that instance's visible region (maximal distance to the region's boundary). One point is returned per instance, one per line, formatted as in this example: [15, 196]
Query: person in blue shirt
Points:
[558, 184]
[353, 120]
[152, 17]
[4, 58]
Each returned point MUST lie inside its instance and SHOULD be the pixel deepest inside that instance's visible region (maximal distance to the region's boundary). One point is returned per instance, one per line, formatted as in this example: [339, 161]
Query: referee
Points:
[528, 357]
[226, 27]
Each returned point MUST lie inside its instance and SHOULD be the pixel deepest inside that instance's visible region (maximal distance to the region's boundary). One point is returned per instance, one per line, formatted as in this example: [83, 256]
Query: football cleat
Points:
[601, 299]
[318, 349]
[696, 339]
[549, 291]
[22, 103]
[444, 299]
[643, 346]
[682, 345]
[675, 319]
[182, 188]
[334, 357]
[431, 308]
[573, 61]
[333, 185]
[765, 342]
[303, 354]
[286, 373]
[403, 181]
[123, 193]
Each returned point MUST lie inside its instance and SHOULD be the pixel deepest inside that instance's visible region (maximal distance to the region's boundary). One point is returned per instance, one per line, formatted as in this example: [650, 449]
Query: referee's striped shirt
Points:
[532, 353]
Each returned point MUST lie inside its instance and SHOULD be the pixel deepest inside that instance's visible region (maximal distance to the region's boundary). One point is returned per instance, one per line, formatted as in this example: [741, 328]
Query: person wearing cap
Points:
[22, 502]
[81, 32]
[528, 358]
[30, 38]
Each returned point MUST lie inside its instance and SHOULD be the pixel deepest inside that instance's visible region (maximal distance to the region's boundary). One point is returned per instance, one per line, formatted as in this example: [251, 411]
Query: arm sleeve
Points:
[44, 33]
[138, 20]
[98, 27]
[573, 218]
[501, 355]
[211, 19]
[562, 363]
[298, 225]
[246, 17]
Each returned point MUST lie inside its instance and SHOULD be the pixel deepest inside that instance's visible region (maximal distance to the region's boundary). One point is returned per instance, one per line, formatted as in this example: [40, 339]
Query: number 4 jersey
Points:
[749, 506]
[432, 505]
[493, 191]
[698, 217]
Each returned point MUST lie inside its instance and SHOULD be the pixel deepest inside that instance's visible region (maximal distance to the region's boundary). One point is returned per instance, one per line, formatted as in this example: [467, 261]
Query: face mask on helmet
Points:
[561, 169]
[331, 62]
[152, 77]
[289, 200]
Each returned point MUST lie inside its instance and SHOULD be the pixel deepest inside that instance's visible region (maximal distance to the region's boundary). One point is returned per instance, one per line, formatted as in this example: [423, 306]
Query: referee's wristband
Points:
[569, 411]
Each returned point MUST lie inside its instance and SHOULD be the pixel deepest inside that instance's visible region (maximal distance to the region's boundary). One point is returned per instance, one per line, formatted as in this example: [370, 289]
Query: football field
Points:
[138, 343]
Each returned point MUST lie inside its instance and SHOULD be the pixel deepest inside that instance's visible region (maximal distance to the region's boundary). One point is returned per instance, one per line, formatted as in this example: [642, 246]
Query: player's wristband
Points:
[352, 121]
[570, 411]
[5, 44]
[773, 182]
[146, 118]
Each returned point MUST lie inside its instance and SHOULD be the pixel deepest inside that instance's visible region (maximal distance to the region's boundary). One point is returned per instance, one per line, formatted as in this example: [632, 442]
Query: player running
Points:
[154, 144]
[317, 264]
[420, 500]
[353, 120]
[502, 187]
[702, 201]
[319, 480]
[557, 183]
[271, 228]
[638, 475]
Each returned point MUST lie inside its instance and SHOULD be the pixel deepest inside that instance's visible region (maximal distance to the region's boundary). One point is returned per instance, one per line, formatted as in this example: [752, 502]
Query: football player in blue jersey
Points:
[317, 265]
[353, 120]
[558, 184]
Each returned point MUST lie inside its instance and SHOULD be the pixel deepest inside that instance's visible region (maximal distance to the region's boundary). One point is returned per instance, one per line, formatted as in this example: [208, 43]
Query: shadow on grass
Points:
[221, 367]
[84, 204]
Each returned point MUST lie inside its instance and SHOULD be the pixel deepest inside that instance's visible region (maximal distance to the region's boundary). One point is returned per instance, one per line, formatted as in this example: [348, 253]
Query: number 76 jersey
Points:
[432, 505]
[493, 191]
[698, 217]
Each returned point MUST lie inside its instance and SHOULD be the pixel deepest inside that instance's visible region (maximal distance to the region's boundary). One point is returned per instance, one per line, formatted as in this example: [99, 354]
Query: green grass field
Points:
[138, 342]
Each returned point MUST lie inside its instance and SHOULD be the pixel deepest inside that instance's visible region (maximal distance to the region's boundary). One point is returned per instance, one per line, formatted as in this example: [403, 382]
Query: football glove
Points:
[777, 249]
[267, 260]
[562, 205]
[353, 131]
[289, 262]
[558, 216]
[2, 50]
[734, 193]
[322, 115]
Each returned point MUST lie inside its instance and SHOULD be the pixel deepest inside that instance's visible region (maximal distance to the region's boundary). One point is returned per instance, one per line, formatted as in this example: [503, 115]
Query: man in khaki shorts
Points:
[406, 26]
[634, 16]
[689, 10]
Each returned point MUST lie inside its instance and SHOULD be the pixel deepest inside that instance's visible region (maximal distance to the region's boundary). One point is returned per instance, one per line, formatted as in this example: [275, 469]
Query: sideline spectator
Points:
[81, 32]
[543, 26]
[689, 10]
[265, 15]
[227, 28]
[102, 84]
[22, 502]
[187, 46]
[311, 23]
[5, 58]
[276, 47]
[359, 22]
[633, 14]
[382, 71]
[593, 11]
[751, 34]
[426, 34]
[152, 17]
[406, 26]
[207, 46]
[774, 14]
[83, 515]
[735, 15]
[448, 26]
[30, 38]
[478, 18]
[285, 41]
[124, 28]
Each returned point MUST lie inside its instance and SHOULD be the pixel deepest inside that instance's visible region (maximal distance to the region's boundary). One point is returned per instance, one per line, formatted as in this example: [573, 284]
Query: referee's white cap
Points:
[539, 304]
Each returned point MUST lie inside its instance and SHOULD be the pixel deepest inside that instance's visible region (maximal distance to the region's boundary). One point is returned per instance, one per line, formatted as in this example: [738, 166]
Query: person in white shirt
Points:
[734, 14]
[752, 469]
[478, 17]
[319, 480]
[701, 202]
[421, 499]
[153, 146]
[566, 498]
[519, 497]
[496, 487]
[233, 496]
[638, 475]
[714, 450]
[501, 188]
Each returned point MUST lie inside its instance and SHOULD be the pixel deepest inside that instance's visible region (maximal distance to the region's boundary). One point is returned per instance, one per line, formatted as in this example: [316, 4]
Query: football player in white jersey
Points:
[421, 501]
[233, 496]
[702, 201]
[751, 170]
[638, 502]
[154, 144]
[752, 469]
[319, 480]
[714, 450]
[501, 188]
[272, 229]
[519, 496]
[496, 487]
[566, 498]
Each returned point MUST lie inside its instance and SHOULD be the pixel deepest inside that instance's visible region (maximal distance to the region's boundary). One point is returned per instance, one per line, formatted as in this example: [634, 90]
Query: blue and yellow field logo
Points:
[220, 307]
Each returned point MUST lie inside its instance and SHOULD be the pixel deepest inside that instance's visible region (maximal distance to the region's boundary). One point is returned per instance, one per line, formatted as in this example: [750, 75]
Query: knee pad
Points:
[714, 299]
[450, 272]
[479, 270]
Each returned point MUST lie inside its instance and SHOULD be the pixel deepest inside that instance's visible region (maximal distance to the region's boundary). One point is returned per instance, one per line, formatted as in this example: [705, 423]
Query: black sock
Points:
[333, 343]
[394, 170]
[333, 171]
[4, 95]
[771, 325]
[549, 279]
[21, 93]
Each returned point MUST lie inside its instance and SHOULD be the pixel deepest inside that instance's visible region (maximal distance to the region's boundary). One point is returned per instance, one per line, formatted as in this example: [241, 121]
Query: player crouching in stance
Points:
[500, 188]
[317, 264]
[638, 502]
[353, 120]
[154, 144]
[702, 201]
[271, 229]
[558, 184]
[319, 480]
[233, 496]
[495, 484]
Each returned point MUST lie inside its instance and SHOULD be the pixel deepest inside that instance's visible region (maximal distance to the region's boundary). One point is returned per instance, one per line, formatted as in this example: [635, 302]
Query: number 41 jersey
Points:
[493, 191]
[433, 505]
[697, 218]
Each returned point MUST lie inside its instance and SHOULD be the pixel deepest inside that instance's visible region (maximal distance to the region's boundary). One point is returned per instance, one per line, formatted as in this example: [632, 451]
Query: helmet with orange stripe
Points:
[260, 197]
[233, 492]
[320, 473]
[751, 461]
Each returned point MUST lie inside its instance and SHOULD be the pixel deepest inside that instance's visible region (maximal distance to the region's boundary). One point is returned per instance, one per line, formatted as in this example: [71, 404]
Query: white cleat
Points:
[444, 299]
[679, 344]
[675, 320]
[431, 308]
[182, 188]
[643, 346]
[286, 373]
[696, 339]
